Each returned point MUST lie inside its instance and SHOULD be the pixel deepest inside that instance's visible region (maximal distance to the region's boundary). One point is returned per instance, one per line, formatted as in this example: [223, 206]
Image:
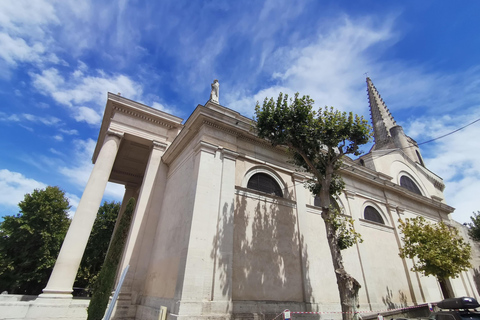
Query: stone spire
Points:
[382, 119]
[387, 134]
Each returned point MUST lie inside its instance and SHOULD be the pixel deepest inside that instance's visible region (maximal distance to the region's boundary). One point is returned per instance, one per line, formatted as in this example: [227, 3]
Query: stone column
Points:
[223, 260]
[137, 228]
[198, 271]
[65, 270]
[298, 181]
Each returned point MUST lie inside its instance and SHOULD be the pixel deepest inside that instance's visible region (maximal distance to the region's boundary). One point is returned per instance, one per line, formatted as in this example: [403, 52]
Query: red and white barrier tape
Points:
[336, 312]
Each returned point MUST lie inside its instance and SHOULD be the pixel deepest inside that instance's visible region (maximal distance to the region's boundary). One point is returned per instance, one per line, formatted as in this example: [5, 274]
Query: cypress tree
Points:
[106, 278]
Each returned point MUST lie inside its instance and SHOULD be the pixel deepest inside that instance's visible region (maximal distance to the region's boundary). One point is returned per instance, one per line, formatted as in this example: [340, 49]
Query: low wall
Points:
[22, 307]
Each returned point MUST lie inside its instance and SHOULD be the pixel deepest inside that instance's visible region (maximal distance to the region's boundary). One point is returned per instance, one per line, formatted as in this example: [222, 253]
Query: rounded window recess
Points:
[264, 183]
[408, 183]
[372, 214]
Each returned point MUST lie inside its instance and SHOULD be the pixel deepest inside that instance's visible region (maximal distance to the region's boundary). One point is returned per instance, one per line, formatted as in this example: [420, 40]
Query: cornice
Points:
[157, 145]
[119, 100]
[139, 115]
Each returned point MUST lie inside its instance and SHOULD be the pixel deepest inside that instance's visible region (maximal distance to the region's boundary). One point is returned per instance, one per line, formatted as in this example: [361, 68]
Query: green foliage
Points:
[317, 140]
[30, 241]
[97, 245]
[106, 278]
[438, 250]
[345, 232]
[474, 226]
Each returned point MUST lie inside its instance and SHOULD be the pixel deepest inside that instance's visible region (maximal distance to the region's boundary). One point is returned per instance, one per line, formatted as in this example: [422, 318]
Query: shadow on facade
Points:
[476, 278]
[388, 300]
[265, 270]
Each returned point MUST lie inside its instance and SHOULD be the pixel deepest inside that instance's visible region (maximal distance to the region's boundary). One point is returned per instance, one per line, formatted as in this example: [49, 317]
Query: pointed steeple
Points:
[386, 132]
[382, 119]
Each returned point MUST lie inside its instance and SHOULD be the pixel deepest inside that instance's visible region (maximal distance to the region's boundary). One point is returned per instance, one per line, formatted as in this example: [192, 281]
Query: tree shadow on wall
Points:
[388, 300]
[266, 264]
[222, 249]
[476, 278]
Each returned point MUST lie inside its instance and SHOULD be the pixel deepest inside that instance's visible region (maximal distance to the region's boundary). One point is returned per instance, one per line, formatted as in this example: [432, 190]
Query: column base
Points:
[56, 294]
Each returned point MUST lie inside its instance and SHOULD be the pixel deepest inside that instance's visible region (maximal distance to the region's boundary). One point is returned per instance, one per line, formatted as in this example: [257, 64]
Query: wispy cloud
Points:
[79, 90]
[14, 186]
[454, 157]
[24, 35]
[79, 170]
[26, 117]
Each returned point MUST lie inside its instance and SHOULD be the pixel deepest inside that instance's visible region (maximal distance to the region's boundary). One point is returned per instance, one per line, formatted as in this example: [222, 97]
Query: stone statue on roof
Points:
[215, 90]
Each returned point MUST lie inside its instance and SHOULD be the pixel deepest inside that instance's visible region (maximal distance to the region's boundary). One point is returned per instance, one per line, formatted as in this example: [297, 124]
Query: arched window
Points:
[372, 214]
[408, 183]
[264, 183]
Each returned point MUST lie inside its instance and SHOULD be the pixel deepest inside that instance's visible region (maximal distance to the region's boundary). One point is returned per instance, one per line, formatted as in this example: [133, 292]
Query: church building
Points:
[224, 227]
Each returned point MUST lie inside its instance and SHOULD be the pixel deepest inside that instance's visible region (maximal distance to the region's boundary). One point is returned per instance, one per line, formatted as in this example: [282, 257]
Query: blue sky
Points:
[58, 60]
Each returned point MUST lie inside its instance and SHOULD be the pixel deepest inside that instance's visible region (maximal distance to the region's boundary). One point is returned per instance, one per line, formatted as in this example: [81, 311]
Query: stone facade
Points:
[207, 246]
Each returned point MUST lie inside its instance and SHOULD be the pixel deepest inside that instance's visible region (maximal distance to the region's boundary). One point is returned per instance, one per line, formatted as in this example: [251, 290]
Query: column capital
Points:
[400, 210]
[206, 147]
[161, 146]
[114, 133]
[350, 194]
[229, 154]
[298, 177]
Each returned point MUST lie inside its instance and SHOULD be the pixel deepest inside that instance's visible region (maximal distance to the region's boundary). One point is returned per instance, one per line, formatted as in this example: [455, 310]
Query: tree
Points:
[318, 141]
[30, 241]
[106, 278]
[437, 249]
[97, 245]
[474, 226]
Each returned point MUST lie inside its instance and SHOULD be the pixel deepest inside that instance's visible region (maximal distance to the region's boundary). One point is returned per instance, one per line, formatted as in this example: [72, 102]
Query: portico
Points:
[132, 140]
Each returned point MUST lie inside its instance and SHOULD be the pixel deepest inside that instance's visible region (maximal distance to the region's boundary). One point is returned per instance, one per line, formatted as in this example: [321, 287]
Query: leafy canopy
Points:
[438, 249]
[318, 139]
[474, 226]
[30, 241]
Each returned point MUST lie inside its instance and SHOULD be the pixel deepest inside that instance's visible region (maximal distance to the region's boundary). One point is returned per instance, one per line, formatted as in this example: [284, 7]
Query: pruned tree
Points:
[30, 241]
[437, 249]
[318, 141]
[97, 245]
[474, 226]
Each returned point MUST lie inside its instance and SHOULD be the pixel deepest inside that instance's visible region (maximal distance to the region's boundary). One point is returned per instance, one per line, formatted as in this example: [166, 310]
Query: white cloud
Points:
[24, 35]
[14, 186]
[71, 132]
[79, 171]
[163, 108]
[330, 69]
[73, 200]
[79, 90]
[454, 157]
[48, 120]
[88, 115]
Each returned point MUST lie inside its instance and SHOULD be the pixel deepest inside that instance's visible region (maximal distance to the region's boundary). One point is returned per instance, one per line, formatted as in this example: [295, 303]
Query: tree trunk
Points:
[348, 286]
